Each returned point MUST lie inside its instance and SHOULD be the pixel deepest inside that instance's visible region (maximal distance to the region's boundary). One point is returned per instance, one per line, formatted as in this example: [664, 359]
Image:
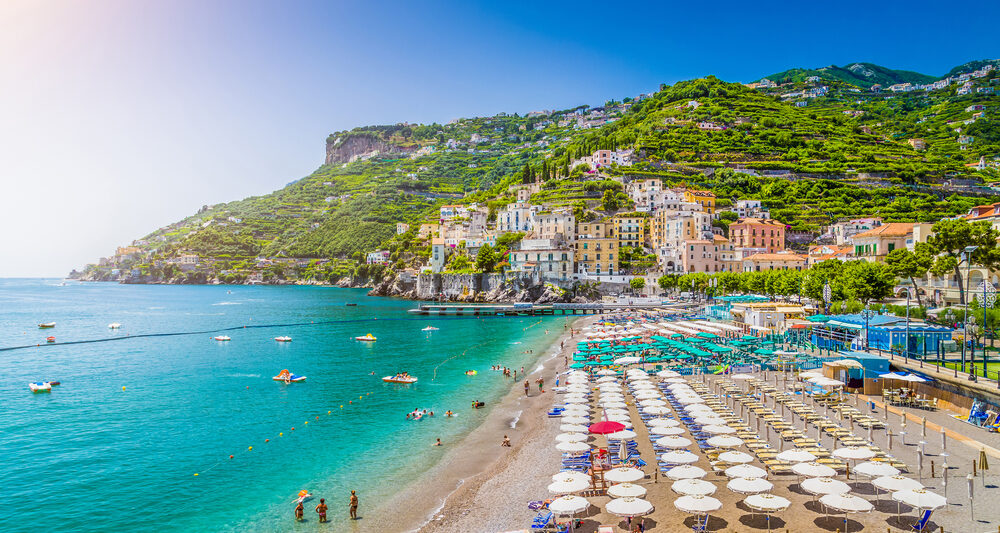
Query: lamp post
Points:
[989, 300]
[868, 313]
[827, 294]
[967, 257]
[906, 343]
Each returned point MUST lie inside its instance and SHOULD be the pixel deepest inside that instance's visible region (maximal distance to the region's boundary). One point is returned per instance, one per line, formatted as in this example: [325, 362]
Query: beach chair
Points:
[700, 523]
[541, 521]
[922, 523]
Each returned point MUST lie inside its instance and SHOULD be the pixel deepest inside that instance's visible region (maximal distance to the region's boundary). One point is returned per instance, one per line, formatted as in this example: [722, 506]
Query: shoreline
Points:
[441, 499]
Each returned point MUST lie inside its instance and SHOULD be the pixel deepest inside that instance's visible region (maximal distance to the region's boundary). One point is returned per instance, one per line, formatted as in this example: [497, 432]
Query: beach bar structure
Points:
[884, 332]
[722, 308]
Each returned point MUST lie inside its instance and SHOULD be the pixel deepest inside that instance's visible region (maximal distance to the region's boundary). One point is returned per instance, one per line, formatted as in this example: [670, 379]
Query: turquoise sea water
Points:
[92, 457]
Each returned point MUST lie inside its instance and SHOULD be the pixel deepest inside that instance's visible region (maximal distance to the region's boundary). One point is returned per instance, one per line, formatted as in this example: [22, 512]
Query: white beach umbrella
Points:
[576, 399]
[876, 469]
[718, 430]
[569, 505]
[846, 503]
[697, 504]
[626, 490]
[811, 374]
[679, 386]
[570, 474]
[572, 437]
[693, 487]
[724, 441]
[651, 403]
[615, 405]
[709, 419]
[668, 374]
[629, 360]
[742, 377]
[624, 474]
[767, 503]
[813, 470]
[896, 483]
[611, 398]
[655, 410]
[629, 507]
[607, 379]
[573, 428]
[568, 485]
[643, 385]
[685, 472]
[623, 420]
[749, 485]
[647, 395]
[678, 457]
[824, 485]
[698, 408]
[912, 378]
[796, 456]
[745, 471]
[677, 380]
[662, 431]
[663, 422]
[687, 400]
[920, 498]
[572, 447]
[736, 458]
[861, 453]
[576, 420]
[624, 434]
[577, 389]
[616, 411]
[673, 442]
[606, 372]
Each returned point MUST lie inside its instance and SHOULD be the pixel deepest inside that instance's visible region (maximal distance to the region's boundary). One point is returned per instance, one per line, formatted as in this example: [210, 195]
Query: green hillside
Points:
[859, 74]
[811, 159]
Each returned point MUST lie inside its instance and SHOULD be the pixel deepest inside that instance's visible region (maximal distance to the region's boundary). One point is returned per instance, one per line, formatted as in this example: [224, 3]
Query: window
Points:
[598, 257]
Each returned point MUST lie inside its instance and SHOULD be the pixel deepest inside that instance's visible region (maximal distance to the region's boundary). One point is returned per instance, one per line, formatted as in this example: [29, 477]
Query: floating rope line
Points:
[237, 328]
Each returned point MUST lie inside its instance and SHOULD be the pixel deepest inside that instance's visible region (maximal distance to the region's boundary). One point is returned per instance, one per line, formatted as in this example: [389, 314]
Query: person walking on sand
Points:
[354, 506]
[298, 512]
[526, 387]
[321, 510]
[506, 442]
[541, 385]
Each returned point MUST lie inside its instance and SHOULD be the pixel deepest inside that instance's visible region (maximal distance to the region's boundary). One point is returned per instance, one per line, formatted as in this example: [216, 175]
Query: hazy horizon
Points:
[121, 117]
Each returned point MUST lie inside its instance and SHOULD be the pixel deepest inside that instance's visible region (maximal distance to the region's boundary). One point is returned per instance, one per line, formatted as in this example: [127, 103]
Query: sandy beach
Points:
[478, 482]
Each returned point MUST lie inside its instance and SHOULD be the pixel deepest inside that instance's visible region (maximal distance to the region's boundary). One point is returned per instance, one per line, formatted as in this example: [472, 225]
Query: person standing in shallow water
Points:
[298, 512]
[321, 510]
[354, 506]
[526, 387]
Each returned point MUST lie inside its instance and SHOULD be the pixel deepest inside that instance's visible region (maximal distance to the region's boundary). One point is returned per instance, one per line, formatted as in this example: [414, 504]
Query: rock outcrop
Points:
[351, 147]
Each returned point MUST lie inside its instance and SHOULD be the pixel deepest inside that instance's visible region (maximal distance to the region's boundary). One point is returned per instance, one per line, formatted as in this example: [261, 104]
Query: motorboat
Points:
[284, 338]
[367, 338]
[400, 378]
[430, 328]
[351, 304]
[114, 325]
[221, 338]
[40, 386]
[50, 339]
[288, 377]
[46, 325]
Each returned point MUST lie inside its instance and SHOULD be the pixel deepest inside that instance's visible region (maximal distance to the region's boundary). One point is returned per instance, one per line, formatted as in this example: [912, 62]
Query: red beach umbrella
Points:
[606, 426]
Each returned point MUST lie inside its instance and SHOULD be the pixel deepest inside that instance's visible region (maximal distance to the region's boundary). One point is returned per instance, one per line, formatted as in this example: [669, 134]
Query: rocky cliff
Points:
[352, 147]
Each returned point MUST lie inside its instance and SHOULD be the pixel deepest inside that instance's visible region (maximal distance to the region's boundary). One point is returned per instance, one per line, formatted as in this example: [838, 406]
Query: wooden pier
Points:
[528, 309]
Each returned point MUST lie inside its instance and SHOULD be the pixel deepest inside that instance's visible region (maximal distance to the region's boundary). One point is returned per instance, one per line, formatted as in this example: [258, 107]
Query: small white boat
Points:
[367, 338]
[47, 325]
[400, 378]
[284, 338]
[430, 328]
[40, 386]
[221, 338]
[114, 325]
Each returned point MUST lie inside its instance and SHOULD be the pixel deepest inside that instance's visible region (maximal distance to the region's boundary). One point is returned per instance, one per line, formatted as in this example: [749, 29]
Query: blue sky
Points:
[121, 116]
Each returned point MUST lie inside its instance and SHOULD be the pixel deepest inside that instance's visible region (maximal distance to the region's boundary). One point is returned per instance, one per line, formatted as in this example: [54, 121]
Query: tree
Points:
[667, 282]
[866, 281]
[911, 265]
[486, 259]
[952, 236]
[637, 284]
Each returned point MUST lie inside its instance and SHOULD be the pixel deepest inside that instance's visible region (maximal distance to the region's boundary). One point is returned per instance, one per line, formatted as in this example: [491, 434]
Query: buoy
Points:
[230, 456]
[352, 401]
[196, 473]
[328, 412]
[360, 397]
[249, 448]
[307, 422]
[267, 440]
[123, 387]
[281, 434]
[293, 429]
[341, 406]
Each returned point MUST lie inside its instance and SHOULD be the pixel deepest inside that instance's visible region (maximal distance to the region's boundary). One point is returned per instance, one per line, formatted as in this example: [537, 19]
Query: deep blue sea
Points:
[90, 456]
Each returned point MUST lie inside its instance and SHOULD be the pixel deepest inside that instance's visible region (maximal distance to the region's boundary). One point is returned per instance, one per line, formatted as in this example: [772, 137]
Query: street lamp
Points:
[906, 343]
[967, 257]
[827, 294]
[868, 313]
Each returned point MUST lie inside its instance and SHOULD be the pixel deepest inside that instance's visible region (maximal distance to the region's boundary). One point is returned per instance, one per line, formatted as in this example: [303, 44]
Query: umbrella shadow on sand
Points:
[863, 488]
[906, 521]
[715, 523]
[836, 523]
[650, 523]
[889, 506]
[758, 519]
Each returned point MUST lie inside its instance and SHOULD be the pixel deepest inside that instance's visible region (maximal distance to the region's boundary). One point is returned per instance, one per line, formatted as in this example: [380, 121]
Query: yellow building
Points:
[706, 199]
[596, 248]
[631, 230]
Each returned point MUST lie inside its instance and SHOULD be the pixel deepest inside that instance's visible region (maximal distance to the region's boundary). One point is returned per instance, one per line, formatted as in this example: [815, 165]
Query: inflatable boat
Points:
[283, 339]
[40, 386]
[367, 338]
[287, 376]
[400, 378]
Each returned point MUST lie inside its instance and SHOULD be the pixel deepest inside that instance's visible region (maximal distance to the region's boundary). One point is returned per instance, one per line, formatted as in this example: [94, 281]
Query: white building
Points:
[546, 257]
[516, 217]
